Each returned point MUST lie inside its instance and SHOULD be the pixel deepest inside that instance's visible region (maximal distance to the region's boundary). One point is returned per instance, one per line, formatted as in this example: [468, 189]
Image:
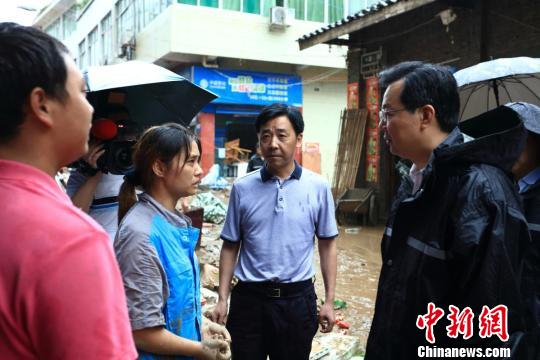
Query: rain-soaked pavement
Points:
[359, 263]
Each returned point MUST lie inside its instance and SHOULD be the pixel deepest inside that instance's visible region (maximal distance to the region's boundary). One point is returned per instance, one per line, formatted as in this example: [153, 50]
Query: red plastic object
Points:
[104, 129]
[343, 324]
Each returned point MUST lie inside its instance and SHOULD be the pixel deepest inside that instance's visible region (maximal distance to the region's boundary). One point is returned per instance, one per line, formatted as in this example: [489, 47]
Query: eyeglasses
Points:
[383, 114]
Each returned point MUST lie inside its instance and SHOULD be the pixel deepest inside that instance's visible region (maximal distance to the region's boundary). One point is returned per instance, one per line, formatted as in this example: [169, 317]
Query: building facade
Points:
[240, 37]
[456, 33]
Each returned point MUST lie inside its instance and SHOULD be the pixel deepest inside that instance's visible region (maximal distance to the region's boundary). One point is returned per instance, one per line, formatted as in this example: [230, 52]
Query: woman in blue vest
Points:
[155, 248]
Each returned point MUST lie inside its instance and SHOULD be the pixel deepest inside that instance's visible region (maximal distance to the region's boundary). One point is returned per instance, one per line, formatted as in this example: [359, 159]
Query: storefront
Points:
[241, 95]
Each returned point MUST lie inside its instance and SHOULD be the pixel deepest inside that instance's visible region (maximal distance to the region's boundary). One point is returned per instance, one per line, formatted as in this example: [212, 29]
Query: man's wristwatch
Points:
[86, 169]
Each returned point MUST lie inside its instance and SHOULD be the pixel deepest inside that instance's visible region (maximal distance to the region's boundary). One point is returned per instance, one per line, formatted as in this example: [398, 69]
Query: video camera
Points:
[117, 158]
[118, 137]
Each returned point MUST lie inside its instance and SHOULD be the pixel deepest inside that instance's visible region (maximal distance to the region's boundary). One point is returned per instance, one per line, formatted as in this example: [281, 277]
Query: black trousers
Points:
[276, 320]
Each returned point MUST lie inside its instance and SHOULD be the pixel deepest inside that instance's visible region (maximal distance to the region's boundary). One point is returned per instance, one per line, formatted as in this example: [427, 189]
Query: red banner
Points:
[372, 130]
[352, 96]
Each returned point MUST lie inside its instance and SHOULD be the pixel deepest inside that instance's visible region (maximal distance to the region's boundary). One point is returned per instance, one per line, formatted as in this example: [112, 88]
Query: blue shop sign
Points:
[248, 87]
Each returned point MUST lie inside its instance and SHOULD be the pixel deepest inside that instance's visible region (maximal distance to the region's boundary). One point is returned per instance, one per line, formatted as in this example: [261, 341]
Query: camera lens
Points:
[120, 161]
[122, 157]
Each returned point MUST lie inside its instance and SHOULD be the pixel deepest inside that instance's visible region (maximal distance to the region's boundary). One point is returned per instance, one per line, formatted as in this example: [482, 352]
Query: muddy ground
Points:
[359, 263]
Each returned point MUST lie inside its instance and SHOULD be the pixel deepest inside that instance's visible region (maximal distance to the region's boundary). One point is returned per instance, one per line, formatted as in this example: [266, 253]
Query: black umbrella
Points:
[151, 94]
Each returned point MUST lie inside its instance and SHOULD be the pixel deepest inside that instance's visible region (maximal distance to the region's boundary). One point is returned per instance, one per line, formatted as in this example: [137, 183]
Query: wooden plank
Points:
[350, 147]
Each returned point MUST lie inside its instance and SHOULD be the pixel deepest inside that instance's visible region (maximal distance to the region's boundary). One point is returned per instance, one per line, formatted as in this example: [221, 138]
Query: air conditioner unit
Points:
[281, 17]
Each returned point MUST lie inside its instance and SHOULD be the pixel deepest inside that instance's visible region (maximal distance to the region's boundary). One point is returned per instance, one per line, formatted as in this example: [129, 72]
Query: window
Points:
[267, 4]
[315, 10]
[139, 13]
[299, 7]
[357, 5]
[153, 8]
[70, 21]
[106, 40]
[82, 55]
[125, 21]
[55, 29]
[148, 10]
[252, 6]
[231, 5]
[335, 10]
[209, 3]
[93, 49]
[311, 10]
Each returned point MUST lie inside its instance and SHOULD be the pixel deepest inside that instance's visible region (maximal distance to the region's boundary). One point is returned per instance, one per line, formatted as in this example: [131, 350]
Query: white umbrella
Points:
[487, 85]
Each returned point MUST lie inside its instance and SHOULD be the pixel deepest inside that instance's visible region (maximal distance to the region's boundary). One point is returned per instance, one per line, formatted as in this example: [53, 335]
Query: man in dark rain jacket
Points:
[526, 171]
[455, 230]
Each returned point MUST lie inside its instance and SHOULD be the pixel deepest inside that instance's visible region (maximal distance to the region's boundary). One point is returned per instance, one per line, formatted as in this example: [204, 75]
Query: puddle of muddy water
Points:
[359, 264]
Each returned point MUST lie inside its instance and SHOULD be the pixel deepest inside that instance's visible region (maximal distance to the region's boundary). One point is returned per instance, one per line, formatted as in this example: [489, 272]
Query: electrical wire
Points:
[529, 26]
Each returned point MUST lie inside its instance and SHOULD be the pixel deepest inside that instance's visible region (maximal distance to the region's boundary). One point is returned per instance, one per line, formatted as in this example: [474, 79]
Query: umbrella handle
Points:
[496, 92]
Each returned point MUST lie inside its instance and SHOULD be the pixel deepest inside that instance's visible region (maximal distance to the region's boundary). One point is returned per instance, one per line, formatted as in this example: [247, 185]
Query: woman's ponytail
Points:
[127, 197]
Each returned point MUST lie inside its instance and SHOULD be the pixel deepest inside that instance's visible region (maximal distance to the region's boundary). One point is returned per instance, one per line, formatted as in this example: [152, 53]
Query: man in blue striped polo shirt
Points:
[269, 236]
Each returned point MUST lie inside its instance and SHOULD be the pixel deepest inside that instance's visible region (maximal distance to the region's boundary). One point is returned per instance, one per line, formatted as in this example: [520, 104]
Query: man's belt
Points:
[273, 289]
[106, 200]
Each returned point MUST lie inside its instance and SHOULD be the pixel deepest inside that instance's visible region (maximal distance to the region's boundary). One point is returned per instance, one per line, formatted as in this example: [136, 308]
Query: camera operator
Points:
[92, 190]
